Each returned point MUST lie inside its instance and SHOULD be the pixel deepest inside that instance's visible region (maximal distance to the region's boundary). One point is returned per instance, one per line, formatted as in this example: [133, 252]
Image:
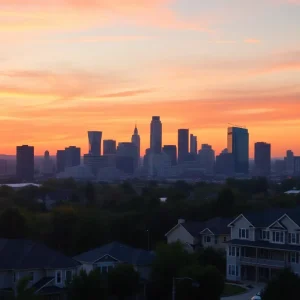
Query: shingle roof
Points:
[216, 226]
[23, 254]
[266, 217]
[120, 252]
[42, 282]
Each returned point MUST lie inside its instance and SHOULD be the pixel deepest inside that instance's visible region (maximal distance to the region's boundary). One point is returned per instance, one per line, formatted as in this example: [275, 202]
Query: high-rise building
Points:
[136, 140]
[183, 145]
[109, 147]
[156, 135]
[262, 159]
[297, 166]
[47, 168]
[3, 166]
[171, 150]
[25, 163]
[60, 161]
[238, 145]
[224, 163]
[193, 144]
[95, 142]
[206, 158]
[289, 162]
[126, 159]
[72, 157]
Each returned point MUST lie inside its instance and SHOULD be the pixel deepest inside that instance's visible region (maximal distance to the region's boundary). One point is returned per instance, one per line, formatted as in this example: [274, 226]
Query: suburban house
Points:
[46, 269]
[110, 255]
[211, 233]
[263, 243]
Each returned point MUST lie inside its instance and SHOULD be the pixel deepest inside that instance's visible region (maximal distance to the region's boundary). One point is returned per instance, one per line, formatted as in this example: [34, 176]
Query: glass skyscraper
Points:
[238, 145]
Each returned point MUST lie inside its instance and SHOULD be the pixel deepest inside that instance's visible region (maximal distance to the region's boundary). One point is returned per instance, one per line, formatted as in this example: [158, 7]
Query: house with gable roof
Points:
[263, 243]
[110, 255]
[211, 233]
[47, 269]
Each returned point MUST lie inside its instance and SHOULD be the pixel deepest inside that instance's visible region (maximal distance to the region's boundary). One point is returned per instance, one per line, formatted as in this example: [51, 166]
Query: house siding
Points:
[180, 234]
[6, 279]
[290, 225]
[242, 223]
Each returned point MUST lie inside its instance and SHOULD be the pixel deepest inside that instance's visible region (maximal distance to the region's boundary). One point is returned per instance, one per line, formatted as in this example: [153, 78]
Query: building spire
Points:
[135, 130]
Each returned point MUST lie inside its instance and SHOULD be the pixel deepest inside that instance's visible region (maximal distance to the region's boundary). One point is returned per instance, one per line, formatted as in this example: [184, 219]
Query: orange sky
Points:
[72, 66]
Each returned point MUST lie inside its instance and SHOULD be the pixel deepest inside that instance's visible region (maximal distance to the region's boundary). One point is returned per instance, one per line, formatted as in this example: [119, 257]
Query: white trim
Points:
[104, 256]
[202, 232]
[237, 218]
[283, 216]
[173, 228]
[276, 222]
[61, 279]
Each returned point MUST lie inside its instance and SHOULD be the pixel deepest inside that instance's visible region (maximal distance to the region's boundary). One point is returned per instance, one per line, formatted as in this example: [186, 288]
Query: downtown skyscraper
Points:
[238, 145]
[156, 135]
[95, 138]
[183, 145]
[25, 163]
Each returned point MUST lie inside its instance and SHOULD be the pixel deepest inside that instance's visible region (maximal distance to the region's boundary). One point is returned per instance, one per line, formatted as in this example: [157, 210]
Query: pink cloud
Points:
[252, 41]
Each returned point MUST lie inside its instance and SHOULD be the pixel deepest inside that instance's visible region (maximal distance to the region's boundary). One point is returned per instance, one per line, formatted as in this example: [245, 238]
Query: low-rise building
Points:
[211, 233]
[263, 243]
[47, 270]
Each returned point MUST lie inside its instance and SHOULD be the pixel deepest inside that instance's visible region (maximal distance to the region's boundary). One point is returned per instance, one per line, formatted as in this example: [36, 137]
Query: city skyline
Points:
[69, 66]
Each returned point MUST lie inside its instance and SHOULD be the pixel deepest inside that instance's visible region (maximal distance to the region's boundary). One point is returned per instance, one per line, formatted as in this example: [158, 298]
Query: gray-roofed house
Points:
[47, 269]
[211, 233]
[262, 243]
[108, 256]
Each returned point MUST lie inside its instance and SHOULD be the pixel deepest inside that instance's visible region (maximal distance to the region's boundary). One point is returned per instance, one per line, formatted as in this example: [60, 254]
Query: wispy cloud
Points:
[252, 41]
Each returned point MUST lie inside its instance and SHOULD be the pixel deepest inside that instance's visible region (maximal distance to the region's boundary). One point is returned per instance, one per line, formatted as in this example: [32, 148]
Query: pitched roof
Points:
[216, 226]
[120, 252]
[23, 254]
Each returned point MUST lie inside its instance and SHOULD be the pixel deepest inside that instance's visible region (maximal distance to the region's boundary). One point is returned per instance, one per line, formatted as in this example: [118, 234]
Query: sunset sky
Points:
[69, 66]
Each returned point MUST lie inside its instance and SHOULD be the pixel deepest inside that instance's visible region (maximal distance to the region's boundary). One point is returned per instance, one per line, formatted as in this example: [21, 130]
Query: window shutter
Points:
[247, 233]
[290, 238]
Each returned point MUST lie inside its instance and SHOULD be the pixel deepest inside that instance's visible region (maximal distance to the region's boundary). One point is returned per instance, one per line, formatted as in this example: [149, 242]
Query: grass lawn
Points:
[231, 290]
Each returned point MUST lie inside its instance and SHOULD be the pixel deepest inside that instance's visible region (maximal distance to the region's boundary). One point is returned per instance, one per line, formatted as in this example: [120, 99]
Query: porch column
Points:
[256, 267]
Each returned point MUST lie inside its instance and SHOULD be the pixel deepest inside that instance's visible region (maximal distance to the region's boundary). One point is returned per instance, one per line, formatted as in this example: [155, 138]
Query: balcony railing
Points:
[263, 262]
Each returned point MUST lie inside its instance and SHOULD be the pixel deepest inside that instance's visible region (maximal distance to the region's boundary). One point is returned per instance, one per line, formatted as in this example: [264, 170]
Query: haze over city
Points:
[72, 66]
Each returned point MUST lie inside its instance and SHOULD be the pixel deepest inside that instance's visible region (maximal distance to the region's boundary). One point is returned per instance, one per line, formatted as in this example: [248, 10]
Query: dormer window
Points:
[244, 233]
[207, 239]
[278, 237]
[293, 238]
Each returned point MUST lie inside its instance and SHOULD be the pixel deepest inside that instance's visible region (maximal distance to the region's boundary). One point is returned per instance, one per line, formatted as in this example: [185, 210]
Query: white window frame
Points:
[234, 251]
[56, 273]
[233, 270]
[205, 239]
[280, 233]
[293, 236]
[243, 233]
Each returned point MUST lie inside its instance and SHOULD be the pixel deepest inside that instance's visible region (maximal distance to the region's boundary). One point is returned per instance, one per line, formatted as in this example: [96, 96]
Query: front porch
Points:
[258, 274]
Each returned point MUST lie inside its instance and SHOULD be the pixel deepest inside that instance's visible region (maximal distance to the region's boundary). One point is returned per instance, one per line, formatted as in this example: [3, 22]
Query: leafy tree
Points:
[90, 193]
[285, 286]
[225, 202]
[212, 257]
[90, 286]
[123, 281]
[13, 224]
[24, 292]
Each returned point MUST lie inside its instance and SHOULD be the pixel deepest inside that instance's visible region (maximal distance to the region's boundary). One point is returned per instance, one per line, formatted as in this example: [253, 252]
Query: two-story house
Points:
[211, 233]
[263, 243]
[108, 256]
[47, 270]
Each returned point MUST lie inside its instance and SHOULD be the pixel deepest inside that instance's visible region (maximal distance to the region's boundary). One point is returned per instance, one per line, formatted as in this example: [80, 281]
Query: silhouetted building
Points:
[171, 151]
[60, 161]
[289, 162]
[72, 157]
[225, 163]
[126, 159]
[238, 145]
[146, 160]
[109, 147]
[95, 142]
[25, 163]
[297, 166]
[193, 144]
[136, 140]
[156, 135]
[262, 159]
[206, 157]
[47, 168]
[279, 167]
[3, 167]
[97, 162]
[183, 145]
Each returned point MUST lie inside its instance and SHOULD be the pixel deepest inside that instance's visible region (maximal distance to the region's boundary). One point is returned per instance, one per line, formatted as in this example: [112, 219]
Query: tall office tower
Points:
[262, 159]
[25, 163]
[3, 167]
[206, 157]
[238, 145]
[183, 145]
[193, 144]
[126, 159]
[95, 142]
[155, 135]
[289, 162]
[109, 147]
[297, 166]
[136, 140]
[60, 161]
[72, 157]
[171, 150]
[224, 163]
[47, 168]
